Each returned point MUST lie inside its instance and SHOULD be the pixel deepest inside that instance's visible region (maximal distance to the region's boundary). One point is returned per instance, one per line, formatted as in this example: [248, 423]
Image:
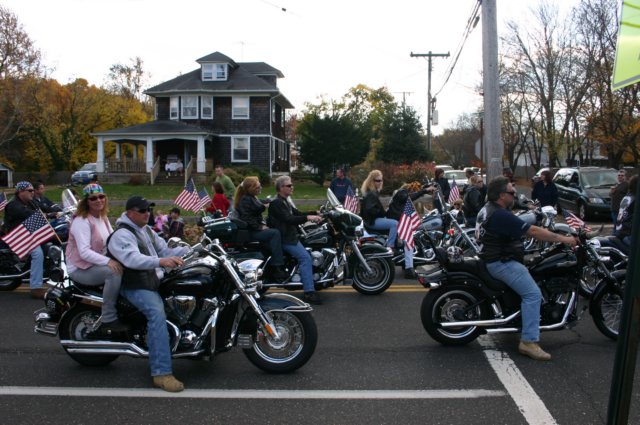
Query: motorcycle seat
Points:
[376, 231]
[91, 289]
[477, 267]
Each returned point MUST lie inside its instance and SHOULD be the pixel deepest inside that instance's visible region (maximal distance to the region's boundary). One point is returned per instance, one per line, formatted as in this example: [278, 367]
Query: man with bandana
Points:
[18, 210]
[500, 234]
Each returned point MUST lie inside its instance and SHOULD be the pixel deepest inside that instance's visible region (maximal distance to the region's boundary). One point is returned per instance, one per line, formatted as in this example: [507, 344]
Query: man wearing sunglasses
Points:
[17, 211]
[500, 234]
[143, 255]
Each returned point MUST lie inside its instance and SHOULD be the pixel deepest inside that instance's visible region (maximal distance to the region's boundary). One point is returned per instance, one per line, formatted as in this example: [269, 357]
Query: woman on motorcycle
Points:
[375, 217]
[87, 262]
[250, 209]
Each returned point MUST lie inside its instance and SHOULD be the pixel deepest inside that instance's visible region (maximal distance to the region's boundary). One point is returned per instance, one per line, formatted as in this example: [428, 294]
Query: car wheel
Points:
[582, 211]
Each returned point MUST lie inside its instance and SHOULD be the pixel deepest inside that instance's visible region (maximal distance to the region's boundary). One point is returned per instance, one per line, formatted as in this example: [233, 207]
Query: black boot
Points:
[410, 274]
[277, 273]
[110, 329]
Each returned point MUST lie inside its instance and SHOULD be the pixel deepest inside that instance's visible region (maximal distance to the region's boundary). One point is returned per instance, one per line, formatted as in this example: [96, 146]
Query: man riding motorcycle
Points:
[500, 235]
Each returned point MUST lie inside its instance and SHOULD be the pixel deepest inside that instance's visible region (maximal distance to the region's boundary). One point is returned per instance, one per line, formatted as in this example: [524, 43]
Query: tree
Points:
[401, 137]
[458, 143]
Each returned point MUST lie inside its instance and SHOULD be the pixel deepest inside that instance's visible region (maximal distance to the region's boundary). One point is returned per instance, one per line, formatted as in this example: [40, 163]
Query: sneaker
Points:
[410, 274]
[168, 383]
[38, 293]
[312, 298]
[533, 350]
[109, 328]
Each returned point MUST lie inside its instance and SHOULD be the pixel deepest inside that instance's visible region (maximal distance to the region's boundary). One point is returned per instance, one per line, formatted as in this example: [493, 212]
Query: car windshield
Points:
[458, 175]
[88, 167]
[600, 178]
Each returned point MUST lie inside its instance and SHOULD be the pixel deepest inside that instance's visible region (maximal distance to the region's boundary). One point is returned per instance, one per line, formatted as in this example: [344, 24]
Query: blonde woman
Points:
[374, 216]
[86, 254]
[250, 210]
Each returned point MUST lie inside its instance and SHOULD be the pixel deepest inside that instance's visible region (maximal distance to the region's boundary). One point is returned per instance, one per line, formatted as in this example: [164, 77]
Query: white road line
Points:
[530, 405]
[250, 394]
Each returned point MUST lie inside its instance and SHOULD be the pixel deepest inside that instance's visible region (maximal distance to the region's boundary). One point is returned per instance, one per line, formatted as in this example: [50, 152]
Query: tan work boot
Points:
[533, 350]
[39, 293]
[168, 383]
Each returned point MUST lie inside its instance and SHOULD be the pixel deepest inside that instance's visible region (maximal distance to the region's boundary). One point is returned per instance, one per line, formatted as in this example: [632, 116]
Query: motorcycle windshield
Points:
[68, 199]
[332, 198]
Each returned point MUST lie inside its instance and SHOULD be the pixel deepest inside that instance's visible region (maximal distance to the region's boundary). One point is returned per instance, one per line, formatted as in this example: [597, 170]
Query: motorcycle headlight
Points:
[595, 200]
[594, 243]
[55, 253]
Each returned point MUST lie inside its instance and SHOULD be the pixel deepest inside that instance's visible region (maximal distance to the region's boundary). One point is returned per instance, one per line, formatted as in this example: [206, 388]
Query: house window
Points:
[173, 107]
[214, 72]
[189, 107]
[207, 107]
[240, 108]
[240, 149]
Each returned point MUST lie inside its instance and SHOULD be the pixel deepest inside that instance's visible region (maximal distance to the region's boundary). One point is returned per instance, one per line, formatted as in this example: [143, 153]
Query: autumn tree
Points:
[401, 137]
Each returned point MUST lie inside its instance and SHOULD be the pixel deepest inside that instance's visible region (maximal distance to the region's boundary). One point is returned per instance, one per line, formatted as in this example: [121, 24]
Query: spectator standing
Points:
[161, 220]
[175, 224]
[545, 191]
[340, 185]
[445, 189]
[618, 192]
[225, 181]
[219, 201]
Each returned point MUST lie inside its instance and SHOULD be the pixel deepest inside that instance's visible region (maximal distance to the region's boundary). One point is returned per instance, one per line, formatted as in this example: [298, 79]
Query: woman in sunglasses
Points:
[87, 262]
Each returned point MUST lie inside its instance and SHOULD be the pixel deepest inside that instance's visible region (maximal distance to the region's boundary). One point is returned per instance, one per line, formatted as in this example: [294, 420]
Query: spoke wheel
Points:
[376, 282]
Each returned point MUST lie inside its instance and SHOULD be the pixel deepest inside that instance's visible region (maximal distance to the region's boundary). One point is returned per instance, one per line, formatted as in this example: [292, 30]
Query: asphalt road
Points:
[374, 364]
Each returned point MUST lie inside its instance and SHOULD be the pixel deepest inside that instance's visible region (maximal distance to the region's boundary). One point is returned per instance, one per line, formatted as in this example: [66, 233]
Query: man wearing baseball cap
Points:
[142, 254]
[17, 211]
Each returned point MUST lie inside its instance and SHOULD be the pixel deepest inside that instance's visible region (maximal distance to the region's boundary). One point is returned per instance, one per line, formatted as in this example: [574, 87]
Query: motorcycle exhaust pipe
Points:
[481, 323]
[103, 347]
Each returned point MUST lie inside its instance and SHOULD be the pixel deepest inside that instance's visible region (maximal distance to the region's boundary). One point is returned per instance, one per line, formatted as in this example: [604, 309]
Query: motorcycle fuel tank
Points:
[432, 223]
[195, 279]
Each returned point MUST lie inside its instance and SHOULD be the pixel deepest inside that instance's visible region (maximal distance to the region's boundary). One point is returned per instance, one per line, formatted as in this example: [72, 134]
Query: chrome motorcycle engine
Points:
[317, 258]
[180, 307]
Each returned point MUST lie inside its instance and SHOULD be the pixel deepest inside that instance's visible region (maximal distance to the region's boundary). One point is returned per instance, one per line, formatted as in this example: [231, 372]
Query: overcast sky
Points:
[321, 47]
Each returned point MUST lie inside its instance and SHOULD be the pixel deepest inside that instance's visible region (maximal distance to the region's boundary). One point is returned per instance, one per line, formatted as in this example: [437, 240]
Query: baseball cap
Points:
[138, 203]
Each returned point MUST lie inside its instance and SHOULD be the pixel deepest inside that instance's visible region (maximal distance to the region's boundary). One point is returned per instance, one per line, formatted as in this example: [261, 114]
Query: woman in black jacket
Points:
[250, 209]
[445, 189]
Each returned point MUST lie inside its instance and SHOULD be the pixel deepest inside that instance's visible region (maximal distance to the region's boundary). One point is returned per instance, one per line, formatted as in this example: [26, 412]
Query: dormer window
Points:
[214, 72]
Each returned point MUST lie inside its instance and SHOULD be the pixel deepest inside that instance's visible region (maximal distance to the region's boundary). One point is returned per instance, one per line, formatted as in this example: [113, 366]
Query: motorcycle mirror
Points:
[174, 242]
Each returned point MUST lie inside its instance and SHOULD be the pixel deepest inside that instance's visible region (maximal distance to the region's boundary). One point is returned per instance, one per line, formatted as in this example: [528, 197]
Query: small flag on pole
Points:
[351, 201]
[3, 201]
[409, 222]
[573, 221]
[205, 199]
[188, 198]
[29, 234]
[455, 192]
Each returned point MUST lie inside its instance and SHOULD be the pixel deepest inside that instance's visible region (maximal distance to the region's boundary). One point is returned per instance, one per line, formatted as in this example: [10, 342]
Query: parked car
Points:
[458, 175]
[585, 190]
[85, 174]
[444, 167]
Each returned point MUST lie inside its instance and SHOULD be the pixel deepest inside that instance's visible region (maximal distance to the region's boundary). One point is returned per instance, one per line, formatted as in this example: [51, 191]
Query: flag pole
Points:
[47, 220]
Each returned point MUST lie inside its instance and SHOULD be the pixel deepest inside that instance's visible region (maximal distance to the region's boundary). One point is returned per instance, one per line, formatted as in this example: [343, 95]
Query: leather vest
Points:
[137, 279]
[497, 247]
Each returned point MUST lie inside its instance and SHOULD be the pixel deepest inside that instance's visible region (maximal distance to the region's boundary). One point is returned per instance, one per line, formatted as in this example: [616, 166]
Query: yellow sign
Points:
[626, 70]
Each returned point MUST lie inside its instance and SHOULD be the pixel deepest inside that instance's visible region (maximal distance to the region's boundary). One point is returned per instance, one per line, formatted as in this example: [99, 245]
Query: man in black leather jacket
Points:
[49, 208]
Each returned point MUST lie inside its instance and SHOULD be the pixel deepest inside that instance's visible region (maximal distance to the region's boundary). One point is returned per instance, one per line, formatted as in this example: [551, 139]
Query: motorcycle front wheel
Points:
[451, 304]
[382, 273]
[291, 349]
[77, 325]
[606, 309]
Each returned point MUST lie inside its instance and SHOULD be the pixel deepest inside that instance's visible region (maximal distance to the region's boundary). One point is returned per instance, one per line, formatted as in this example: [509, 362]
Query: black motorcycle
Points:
[464, 301]
[336, 252]
[14, 271]
[212, 304]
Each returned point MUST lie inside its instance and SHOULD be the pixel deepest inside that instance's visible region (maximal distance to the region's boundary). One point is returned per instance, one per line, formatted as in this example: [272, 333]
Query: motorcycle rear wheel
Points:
[298, 336]
[76, 325]
[443, 305]
[9, 284]
[382, 273]
[606, 309]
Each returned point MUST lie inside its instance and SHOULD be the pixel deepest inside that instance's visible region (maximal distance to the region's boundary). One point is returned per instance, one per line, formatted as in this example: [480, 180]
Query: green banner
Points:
[626, 70]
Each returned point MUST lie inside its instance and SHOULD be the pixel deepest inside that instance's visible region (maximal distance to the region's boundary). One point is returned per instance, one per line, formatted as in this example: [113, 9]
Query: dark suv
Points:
[585, 190]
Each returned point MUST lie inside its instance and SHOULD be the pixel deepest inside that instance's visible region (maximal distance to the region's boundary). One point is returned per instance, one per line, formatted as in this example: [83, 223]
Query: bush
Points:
[137, 180]
[237, 174]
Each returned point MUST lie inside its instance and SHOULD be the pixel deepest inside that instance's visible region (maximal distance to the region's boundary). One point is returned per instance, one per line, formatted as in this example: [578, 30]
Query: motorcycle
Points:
[212, 304]
[464, 301]
[14, 271]
[337, 256]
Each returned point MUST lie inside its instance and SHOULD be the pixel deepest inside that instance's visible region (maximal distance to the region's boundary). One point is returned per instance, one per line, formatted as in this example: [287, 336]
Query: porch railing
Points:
[189, 169]
[125, 165]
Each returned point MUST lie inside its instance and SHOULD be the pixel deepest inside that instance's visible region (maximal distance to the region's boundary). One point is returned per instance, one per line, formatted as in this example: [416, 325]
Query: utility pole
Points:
[429, 55]
[491, 89]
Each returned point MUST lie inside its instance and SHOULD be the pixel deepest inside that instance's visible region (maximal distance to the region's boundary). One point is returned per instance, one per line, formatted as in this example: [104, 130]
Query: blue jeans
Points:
[102, 275]
[517, 277]
[303, 257]
[150, 304]
[37, 268]
[273, 238]
[383, 223]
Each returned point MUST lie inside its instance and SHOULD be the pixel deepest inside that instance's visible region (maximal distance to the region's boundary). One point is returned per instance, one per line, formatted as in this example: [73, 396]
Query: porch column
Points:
[149, 154]
[118, 151]
[135, 151]
[100, 158]
[200, 159]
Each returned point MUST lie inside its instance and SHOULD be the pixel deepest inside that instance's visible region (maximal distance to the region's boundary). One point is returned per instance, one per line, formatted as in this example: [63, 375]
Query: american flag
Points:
[409, 222]
[188, 198]
[573, 221]
[3, 201]
[205, 199]
[455, 192]
[29, 234]
[351, 201]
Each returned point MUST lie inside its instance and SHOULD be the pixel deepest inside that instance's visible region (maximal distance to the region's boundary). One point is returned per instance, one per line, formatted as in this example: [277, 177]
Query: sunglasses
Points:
[288, 185]
[143, 210]
[95, 198]
[29, 190]
[511, 193]
[378, 180]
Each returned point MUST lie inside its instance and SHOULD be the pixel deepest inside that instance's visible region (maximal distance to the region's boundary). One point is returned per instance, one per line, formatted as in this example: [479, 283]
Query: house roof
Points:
[155, 127]
[217, 57]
